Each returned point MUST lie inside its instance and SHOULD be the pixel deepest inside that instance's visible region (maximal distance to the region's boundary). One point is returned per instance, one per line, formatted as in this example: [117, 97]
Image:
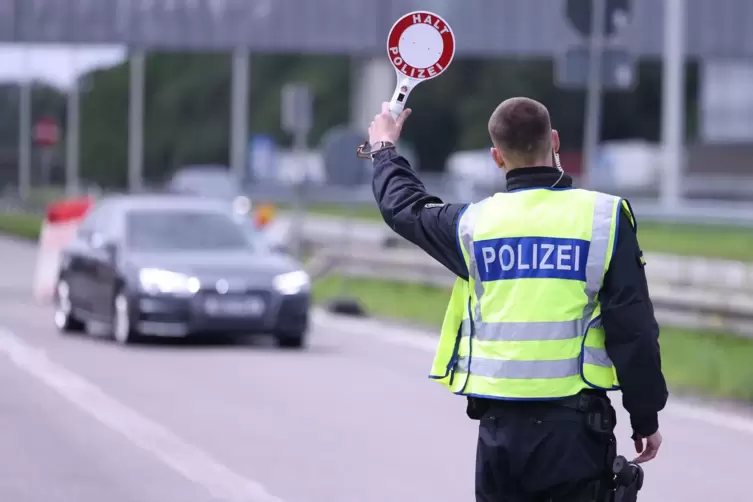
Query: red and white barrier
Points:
[59, 227]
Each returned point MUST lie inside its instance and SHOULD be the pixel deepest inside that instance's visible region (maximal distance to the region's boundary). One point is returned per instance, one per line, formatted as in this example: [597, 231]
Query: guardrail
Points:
[354, 236]
[686, 292]
[689, 292]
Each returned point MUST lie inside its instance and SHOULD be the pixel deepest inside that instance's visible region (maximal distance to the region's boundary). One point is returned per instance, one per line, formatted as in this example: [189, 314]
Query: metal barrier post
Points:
[297, 119]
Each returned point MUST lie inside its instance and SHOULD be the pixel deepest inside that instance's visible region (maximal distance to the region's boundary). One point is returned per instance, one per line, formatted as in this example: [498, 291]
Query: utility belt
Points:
[592, 406]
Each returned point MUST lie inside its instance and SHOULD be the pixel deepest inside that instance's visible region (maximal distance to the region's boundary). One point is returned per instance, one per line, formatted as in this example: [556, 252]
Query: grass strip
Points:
[709, 363]
[26, 226]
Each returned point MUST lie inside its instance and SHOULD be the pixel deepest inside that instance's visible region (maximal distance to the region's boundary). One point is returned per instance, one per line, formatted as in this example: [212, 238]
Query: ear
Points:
[497, 157]
[555, 141]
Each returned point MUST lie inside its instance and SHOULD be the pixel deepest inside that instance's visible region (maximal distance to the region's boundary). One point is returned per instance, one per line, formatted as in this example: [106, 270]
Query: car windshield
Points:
[208, 184]
[186, 230]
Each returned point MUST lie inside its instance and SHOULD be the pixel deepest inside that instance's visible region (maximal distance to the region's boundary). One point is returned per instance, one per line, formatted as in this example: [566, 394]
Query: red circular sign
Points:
[424, 18]
[46, 132]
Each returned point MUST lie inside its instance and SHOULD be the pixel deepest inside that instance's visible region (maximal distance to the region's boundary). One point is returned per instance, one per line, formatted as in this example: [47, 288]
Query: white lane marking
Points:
[699, 413]
[396, 335]
[425, 341]
[197, 466]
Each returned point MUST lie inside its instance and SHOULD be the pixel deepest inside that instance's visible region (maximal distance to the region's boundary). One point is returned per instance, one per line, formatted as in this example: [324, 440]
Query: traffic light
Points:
[572, 65]
[580, 12]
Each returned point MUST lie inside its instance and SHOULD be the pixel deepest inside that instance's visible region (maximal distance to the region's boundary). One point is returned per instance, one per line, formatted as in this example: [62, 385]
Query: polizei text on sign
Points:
[447, 49]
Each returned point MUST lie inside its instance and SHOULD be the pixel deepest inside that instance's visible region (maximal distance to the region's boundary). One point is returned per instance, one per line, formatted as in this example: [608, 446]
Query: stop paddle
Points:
[421, 46]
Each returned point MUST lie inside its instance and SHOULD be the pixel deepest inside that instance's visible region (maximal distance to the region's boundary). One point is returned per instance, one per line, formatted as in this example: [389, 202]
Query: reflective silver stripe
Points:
[601, 229]
[528, 331]
[494, 368]
[597, 357]
[465, 327]
[466, 227]
[563, 368]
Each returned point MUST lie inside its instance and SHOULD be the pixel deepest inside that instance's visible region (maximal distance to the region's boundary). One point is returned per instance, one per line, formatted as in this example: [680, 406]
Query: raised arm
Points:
[414, 214]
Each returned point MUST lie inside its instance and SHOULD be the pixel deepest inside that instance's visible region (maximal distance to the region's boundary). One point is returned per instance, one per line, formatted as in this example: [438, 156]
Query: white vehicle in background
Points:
[213, 181]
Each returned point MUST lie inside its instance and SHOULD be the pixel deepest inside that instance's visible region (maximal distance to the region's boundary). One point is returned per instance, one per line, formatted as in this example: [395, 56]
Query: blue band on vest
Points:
[531, 258]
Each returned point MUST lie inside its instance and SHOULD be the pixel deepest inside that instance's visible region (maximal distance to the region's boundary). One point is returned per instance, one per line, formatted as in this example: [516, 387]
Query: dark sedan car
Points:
[174, 266]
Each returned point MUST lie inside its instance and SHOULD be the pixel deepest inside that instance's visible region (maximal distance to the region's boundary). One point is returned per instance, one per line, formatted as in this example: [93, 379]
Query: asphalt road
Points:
[353, 418]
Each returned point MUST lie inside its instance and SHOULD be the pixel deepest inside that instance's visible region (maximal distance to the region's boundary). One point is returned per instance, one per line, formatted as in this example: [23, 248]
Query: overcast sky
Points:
[57, 65]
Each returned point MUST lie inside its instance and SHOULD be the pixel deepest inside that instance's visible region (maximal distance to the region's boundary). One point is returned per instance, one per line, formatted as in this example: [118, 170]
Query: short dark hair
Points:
[521, 127]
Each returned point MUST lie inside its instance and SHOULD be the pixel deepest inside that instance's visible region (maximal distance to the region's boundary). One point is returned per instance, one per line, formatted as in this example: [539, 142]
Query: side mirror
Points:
[279, 247]
[109, 248]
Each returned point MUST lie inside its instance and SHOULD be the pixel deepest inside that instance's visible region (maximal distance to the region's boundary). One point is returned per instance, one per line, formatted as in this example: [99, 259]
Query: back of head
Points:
[521, 131]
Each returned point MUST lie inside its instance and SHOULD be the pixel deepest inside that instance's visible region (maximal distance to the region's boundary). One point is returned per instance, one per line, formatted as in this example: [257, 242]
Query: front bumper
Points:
[172, 316]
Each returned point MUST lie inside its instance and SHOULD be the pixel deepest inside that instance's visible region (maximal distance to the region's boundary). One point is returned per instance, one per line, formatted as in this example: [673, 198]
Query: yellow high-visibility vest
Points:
[526, 324]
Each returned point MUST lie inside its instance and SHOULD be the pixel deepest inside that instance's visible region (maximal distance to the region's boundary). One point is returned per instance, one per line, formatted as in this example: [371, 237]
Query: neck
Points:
[542, 163]
[537, 177]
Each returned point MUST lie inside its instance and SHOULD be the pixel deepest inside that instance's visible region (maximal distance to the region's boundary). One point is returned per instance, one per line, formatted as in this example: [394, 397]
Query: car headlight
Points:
[292, 283]
[155, 280]
[242, 205]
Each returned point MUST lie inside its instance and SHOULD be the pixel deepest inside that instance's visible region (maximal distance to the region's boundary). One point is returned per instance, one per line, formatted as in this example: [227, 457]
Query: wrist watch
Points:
[375, 148]
[380, 146]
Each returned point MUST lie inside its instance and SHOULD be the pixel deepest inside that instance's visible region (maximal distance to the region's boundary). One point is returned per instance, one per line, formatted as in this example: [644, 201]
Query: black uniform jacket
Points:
[632, 334]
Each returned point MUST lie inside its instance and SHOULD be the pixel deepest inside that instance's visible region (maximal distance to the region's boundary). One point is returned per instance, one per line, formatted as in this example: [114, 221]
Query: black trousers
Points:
[544, 452]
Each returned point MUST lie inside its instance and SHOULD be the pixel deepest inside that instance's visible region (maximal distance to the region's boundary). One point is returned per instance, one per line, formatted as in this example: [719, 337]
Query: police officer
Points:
[550, 311]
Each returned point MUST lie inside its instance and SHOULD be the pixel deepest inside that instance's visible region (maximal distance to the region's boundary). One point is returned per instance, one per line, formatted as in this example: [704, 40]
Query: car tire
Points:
[65, 321]
[122, 329]
[291, 340]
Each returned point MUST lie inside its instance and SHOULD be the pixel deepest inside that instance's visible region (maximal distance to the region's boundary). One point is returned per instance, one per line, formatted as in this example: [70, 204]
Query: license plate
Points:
[246, 306]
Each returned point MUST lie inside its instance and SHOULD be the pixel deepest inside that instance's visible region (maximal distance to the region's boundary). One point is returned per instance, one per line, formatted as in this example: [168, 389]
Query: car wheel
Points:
[122, 331]
[291, 340]
[64, 318]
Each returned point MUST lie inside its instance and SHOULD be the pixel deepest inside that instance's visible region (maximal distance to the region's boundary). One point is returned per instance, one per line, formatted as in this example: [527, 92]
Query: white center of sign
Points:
[427, 52]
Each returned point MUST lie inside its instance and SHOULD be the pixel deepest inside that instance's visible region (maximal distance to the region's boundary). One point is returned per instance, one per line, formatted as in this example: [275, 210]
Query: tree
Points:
[46, 101]
[188, 97]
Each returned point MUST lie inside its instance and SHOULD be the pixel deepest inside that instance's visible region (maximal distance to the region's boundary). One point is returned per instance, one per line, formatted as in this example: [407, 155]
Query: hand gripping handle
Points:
[400, 96]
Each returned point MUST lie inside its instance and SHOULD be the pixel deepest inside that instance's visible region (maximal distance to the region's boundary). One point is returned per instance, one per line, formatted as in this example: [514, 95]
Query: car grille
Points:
[204, 299]
[230, 285]
[266, 294]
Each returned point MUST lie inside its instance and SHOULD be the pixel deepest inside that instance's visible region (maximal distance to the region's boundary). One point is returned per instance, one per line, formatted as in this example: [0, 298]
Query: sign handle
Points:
[400, 97]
